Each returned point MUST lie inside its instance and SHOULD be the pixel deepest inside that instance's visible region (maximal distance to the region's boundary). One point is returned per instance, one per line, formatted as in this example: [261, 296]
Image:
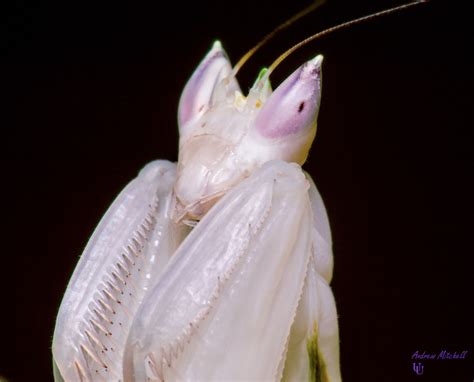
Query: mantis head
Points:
[225, 136]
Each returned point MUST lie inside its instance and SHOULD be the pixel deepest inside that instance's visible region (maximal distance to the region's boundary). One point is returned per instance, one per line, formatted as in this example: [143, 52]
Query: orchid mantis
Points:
[217, 267]
[244, 295]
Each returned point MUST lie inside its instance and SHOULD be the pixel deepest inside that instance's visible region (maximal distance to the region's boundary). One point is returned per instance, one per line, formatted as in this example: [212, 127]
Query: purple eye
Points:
[293, 107]
[196, 96]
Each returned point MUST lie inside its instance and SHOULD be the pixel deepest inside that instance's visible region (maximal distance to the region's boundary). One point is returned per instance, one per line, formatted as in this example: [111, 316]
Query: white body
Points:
[245, 295]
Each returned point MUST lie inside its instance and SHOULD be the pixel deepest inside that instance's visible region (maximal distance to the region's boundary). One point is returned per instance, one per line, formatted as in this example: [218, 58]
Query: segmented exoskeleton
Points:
[244, 295]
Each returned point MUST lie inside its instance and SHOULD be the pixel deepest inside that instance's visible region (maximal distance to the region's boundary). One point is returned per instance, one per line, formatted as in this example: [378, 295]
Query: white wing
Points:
[313, 346]
[322, 240]
[123, 258]
[223, 308]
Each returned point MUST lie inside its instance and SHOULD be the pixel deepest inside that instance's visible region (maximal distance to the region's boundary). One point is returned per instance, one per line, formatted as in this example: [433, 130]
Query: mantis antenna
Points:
[310, 8]
[330, 30]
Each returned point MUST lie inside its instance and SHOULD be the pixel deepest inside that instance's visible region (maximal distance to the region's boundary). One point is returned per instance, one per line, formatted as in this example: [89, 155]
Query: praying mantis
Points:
[217, 267]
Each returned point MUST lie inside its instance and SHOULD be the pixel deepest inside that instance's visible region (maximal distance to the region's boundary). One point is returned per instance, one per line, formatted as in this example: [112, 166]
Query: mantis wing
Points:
[313, 346]
[122, 260]
[224, 306]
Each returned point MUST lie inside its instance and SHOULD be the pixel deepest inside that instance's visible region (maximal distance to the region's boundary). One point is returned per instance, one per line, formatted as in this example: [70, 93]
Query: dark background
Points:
[93, 88]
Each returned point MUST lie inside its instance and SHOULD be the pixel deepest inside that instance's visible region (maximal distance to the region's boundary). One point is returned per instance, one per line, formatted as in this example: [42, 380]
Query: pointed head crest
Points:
[225, 136]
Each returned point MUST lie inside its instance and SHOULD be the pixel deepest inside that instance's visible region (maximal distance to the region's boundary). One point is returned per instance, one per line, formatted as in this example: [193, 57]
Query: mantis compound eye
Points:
[288, 118]
[197, 95]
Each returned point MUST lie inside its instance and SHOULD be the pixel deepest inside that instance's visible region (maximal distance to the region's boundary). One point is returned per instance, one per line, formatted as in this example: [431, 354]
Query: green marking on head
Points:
[261, 73]
[257, 84]
[317, 367]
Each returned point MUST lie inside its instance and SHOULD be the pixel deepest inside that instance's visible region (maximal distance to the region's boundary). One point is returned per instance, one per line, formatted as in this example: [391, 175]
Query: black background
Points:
[95, 88]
